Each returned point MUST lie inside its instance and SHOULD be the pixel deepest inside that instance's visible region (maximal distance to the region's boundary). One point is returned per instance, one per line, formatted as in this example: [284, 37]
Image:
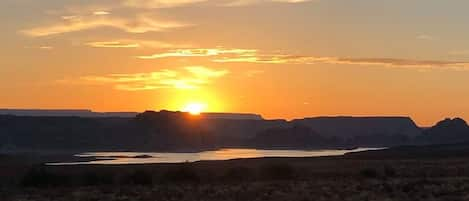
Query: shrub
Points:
[281, 171]
[184, 173]
[139, 177]
[93, 179]
[369, 173]
[39, 177]
[238, 174]
[389, 171]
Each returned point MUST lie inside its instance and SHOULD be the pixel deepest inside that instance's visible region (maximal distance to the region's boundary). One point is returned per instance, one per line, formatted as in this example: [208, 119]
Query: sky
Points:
[278, 58]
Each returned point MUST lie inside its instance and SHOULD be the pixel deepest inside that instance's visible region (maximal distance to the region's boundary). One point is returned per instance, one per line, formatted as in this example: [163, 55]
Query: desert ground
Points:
[377, 175]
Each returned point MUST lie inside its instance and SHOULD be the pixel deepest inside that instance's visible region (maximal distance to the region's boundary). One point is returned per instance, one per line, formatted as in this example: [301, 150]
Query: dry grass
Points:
[291, 179]
[448, 189]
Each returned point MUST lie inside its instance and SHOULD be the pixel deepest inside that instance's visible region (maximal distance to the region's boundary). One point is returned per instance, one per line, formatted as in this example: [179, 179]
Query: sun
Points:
[194, 108]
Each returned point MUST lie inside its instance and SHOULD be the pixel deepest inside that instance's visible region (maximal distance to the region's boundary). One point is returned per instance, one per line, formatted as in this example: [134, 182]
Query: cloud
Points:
[268, 59]
[159, 3]
[203, 72]
[140, 24]
[459, 52]
[131, 43]
[101, 7]
[46, 47]
[178, 3]
[221, 55]
[252, 2]
[113, 44]
[425, 37]
[101, 13]
[199, 52]
[187, 78]
[40, 47]
[253, 73]
[387, 62]
[407, 63]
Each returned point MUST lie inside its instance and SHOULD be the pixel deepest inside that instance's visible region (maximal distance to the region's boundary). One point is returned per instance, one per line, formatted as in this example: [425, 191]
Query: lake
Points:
[119, 158]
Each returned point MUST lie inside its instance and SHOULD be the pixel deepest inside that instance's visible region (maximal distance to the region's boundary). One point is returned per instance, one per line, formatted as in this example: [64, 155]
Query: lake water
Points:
[117, 158]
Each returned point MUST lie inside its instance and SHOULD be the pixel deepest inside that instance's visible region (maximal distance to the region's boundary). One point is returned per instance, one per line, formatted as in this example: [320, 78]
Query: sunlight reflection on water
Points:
[116, 158]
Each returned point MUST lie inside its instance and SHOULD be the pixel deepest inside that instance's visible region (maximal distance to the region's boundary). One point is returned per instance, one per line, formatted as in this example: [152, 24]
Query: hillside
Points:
[178, 131]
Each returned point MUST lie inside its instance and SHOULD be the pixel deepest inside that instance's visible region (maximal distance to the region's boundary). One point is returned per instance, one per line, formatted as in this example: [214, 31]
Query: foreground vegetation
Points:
[352, 177]
[323, 189]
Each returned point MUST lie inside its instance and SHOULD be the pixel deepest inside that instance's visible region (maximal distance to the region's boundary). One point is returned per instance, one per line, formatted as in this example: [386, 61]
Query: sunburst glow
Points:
[194, 108]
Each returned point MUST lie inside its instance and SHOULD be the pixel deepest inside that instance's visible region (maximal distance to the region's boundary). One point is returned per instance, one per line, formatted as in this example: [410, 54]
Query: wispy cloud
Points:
[199, 52]
[204, 72]
[191, 77]
[113, 44]
[40, 47]
[425, 37]
[253, 73]
[178, 3]
[268, 59]
[459, 52]
[386, 62]
[221, 55]
[139, 24]
[101, 7]
[101, 13]
[251, 2]
[46, 47]
[159, 3]
[408, 63]
[131, 43]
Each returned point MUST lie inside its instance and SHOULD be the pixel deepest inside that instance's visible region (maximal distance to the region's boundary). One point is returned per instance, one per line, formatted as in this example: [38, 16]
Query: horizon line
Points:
[242, 113]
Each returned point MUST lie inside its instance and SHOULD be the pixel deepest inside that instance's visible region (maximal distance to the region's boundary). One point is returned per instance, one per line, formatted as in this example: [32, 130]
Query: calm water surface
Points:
[116, 158]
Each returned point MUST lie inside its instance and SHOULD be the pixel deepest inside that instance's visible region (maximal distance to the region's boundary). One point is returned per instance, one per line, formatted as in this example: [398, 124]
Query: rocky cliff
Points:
[350, 127]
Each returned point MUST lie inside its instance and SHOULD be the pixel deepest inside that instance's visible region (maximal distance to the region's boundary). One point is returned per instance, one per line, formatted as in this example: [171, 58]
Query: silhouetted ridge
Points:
[174, 130]
[92, 114]
[447, 131]
[180, 131]
[65, 113]
[456, 125]
[296, 136]
[350, 127]
[239, 116]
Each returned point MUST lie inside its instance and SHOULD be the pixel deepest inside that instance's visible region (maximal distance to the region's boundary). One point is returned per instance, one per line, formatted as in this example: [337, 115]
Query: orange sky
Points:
[281, 59]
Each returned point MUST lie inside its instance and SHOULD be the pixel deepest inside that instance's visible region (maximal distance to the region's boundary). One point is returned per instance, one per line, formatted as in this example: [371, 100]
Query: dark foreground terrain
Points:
[406, 173]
